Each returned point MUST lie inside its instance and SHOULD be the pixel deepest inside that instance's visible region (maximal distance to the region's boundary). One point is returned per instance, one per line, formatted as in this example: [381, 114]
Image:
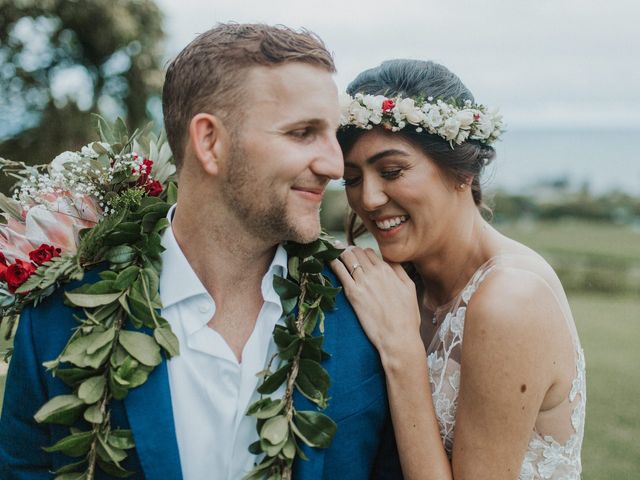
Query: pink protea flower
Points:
[56, 221]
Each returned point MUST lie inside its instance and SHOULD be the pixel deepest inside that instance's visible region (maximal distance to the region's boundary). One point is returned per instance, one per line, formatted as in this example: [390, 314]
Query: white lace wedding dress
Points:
[554, 446]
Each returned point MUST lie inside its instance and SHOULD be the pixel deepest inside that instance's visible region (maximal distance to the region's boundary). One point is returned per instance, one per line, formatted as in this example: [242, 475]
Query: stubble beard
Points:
[262, 213]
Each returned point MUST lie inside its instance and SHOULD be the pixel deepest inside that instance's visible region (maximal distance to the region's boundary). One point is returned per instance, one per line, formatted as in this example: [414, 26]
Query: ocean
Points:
[603, 160]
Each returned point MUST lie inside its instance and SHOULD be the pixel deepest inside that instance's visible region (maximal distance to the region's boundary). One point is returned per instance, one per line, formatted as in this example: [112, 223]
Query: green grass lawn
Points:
[620, 242]
[610, 332]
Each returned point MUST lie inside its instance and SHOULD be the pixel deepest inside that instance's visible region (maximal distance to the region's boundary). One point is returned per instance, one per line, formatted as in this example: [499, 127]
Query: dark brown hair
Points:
[417, 78]
[207, 76]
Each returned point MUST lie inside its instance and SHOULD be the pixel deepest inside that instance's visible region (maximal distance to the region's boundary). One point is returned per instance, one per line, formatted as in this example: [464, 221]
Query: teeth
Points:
[391, 222]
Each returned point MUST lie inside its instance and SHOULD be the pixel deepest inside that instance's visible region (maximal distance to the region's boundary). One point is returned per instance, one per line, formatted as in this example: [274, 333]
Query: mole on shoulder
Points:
[523, 388]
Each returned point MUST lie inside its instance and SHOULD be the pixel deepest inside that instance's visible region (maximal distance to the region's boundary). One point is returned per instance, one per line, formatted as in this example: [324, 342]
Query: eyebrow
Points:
[374, 158]
[315, 122]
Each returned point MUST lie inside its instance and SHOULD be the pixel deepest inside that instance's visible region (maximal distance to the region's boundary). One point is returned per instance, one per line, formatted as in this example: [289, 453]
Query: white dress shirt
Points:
[210, 390]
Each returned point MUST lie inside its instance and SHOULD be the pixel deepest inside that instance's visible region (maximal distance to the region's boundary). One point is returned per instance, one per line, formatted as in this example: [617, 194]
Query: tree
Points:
[61, 60]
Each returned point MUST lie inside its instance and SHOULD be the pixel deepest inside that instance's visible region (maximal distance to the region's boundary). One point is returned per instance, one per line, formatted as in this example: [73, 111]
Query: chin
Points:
[393, 255]
[305, 231]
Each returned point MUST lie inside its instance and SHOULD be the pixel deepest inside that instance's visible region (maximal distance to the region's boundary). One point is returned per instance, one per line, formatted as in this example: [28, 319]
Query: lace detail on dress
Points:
[545, 457]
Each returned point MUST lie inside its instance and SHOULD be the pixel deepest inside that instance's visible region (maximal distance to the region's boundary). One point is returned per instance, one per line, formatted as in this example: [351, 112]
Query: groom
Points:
[250, 113]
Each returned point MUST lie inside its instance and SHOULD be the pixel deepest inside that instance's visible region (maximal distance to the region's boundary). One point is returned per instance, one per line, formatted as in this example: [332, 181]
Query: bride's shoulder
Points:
[520, 293]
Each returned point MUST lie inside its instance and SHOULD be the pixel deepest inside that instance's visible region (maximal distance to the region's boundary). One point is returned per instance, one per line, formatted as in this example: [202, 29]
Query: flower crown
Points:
[452, 121]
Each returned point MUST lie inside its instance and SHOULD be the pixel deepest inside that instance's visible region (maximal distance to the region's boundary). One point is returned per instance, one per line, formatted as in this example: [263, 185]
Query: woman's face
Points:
[404, 199]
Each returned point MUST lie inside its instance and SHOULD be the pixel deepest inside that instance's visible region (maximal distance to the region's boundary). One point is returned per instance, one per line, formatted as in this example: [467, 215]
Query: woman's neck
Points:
[446, 270]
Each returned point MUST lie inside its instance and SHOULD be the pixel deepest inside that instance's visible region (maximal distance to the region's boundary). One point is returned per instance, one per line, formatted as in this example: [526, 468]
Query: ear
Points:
[209, 140]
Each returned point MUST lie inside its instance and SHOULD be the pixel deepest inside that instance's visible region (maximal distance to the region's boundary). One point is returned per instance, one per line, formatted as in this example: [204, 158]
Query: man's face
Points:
[285, 152]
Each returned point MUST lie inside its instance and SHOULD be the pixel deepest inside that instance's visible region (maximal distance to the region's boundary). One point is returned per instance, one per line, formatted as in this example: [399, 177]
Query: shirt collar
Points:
[178, 281]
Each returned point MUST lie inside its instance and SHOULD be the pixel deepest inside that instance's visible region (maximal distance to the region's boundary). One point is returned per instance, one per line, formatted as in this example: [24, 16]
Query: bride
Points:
[484, 368]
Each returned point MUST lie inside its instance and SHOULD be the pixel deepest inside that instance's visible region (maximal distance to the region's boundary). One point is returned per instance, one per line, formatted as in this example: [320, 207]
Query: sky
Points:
[546, 64]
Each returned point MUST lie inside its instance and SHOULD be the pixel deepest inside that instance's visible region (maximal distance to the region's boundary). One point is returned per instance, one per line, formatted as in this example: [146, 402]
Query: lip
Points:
[382, 218]
[310, 193]
[389, 233]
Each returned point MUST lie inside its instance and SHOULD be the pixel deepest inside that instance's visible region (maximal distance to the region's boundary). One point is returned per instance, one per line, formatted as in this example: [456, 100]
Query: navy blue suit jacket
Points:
[364, 446]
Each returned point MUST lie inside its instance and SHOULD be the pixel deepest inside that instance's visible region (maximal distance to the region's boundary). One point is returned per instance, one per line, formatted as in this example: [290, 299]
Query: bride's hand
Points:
[384, 298]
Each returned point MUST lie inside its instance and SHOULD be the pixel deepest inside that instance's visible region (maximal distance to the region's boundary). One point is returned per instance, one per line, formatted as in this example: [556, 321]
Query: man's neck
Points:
[224, 256]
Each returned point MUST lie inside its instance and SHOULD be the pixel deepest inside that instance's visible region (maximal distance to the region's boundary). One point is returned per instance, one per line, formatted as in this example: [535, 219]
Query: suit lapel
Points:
[314, 467]
[150, 416]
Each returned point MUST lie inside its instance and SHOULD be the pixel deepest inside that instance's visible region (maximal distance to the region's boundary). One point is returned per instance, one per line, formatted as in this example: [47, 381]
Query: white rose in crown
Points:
[462, 136]
[416, 117]
[450, 128]
[485, 126]
[374, 102]
[433, 117]
[465, 117]
[405, 106]
[360, 114]
[375, 117]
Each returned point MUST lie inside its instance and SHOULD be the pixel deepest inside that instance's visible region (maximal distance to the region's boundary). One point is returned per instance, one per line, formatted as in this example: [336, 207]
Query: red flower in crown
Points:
[388, 105]
[153, 188]
[17, 273]
[476, 117]
[44, 253]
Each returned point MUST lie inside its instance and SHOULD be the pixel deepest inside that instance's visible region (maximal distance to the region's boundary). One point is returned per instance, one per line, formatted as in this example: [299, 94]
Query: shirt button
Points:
[204, 308]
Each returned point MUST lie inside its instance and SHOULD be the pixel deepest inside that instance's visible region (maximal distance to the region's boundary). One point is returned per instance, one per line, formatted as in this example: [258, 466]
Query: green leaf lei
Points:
[121, 336]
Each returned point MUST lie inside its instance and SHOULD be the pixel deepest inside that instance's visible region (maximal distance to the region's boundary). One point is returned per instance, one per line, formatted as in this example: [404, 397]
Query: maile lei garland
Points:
[114, 203]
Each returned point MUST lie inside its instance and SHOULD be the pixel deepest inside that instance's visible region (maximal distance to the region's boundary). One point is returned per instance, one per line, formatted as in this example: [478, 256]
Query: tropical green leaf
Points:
[92, 389]
[71, 376]
[121, 254]
[93, 414]
[140, 346]
[288, 305]
[314, 428]
[100, 340]
[126, 277]
[167, 340]
[275, 430]
[311, 266]
[289, 449]
[324, 290]
[74, 445]
[285, 288]
[122, 439]
[63, 409]
[139, 376]
[172, 193]
[96, 359]
[117, 390]
[91, 301]
[313, 381]
[72, 467]
[76, 350]
[265, 408]
[109, 453]
[273, 381]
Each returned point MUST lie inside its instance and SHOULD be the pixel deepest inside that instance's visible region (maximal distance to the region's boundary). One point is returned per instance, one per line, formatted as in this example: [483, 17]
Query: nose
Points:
[329, 162]
[372, 195]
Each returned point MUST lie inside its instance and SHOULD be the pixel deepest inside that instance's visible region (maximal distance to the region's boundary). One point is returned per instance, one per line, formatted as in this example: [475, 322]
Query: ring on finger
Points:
[354, 267]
